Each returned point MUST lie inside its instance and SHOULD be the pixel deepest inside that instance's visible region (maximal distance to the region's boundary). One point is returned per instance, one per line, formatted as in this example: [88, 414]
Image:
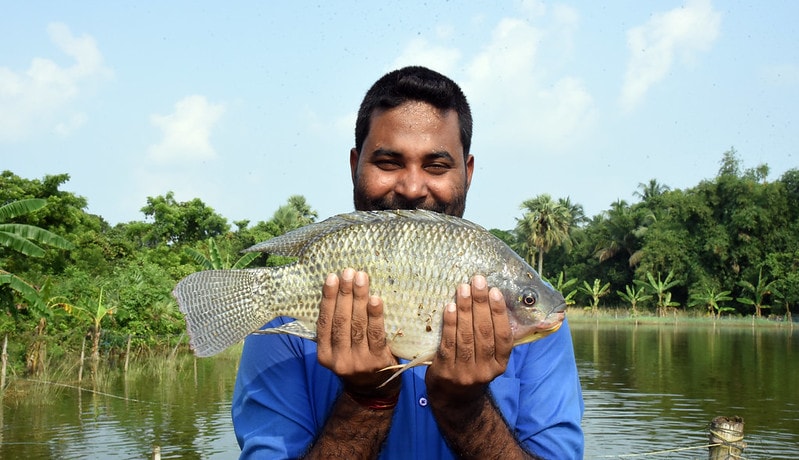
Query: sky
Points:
[243, 104]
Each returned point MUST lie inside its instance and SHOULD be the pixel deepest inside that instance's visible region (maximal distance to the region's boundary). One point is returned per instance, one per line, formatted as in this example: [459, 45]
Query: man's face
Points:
[412, 158]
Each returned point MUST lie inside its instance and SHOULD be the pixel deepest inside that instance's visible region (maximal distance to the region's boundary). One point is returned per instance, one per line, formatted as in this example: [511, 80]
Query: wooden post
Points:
[5, 364]
[127, 355]
[156, 452]
[726, 438]
[82, 357]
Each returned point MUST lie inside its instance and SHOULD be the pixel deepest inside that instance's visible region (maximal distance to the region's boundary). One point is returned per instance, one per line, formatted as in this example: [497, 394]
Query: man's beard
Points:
[454, 208]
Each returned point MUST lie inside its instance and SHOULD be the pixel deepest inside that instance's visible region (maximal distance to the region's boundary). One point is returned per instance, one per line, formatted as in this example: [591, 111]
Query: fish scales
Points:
[415, 260]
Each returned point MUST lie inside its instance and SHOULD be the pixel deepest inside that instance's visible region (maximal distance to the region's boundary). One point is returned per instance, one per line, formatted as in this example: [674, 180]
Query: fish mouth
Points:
[550, 324]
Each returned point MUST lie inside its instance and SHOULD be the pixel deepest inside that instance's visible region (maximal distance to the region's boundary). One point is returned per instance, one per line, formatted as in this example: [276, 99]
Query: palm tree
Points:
[650, 190]
[544, 225]
[621, 230]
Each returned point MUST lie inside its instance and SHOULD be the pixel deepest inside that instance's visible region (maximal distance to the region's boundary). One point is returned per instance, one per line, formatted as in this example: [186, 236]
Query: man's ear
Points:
[354, 163]
[469, 171]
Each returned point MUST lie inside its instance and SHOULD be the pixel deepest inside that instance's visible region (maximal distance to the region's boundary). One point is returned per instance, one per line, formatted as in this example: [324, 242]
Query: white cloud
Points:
[39, 97]
[682, 31]
[514, 89]
[420, 52]
[186, 131]
[518, 96]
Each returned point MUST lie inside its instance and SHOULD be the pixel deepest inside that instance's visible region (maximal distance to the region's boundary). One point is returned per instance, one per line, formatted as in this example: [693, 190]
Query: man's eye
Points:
[387, 165]
[437, 168]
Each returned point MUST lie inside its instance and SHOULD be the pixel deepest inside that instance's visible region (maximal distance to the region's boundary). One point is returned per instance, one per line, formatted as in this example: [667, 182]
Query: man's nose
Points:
[412, 185]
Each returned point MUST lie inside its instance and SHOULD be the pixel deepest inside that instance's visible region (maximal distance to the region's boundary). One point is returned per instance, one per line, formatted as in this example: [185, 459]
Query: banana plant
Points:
[712, 300]
[214, 260]
[659, 288]
[597, 291]
[758, 293]
[634, 297]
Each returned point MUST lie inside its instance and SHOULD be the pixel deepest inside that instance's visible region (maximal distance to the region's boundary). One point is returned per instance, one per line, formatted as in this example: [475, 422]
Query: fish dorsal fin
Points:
[293, 243]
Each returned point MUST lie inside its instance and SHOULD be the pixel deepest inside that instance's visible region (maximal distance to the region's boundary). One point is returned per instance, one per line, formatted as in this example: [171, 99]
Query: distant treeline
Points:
[730, 244]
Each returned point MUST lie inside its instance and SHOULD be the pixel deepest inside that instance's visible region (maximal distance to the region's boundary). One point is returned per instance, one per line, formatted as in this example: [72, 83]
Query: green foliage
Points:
[712, 300]
[545, 224]
[562, 284]
[733, 236]
[596, 291]
[215, 261]
[660, 289]
[634, 297]
[758, 293]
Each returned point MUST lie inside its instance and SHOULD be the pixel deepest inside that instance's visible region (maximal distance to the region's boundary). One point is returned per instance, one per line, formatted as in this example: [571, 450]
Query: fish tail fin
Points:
[220, 308]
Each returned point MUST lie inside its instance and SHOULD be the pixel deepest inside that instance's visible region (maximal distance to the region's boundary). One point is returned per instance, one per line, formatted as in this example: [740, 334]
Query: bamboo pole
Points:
[726, 438]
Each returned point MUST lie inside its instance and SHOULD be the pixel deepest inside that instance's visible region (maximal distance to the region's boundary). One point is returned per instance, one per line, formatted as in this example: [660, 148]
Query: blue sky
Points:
[242, 104]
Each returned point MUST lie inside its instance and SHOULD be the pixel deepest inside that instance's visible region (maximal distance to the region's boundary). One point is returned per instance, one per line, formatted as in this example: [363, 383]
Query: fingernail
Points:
[464, 290]
[479, 281]
[347, 274]
[331, 279]
[360, 278]
[495, 294]
[451, 308]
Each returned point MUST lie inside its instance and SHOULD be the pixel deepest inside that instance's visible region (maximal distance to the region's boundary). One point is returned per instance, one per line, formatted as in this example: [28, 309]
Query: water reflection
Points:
[647, 390]
[655, 388]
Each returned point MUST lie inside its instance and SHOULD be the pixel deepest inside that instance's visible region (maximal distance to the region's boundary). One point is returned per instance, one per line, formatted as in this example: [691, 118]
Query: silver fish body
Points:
[415, 260]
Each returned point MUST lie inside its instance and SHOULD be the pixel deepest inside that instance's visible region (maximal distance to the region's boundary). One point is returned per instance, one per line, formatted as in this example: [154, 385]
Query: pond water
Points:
[650, 392]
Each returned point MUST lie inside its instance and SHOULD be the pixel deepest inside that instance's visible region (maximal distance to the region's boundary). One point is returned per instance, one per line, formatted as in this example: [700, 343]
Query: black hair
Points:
[414, 83]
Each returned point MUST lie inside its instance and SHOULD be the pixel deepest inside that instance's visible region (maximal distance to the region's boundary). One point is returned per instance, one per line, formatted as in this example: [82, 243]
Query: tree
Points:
[595, 291]
[180, 222]
[634, 297]
[621, 234]
[711, 299]
[214, 260]
[660, 288]
[758, 293]
[25, 239]
[544, 225]
[651, 190]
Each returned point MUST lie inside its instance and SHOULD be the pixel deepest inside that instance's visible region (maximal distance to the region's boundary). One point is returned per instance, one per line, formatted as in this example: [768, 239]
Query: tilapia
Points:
[415, 259]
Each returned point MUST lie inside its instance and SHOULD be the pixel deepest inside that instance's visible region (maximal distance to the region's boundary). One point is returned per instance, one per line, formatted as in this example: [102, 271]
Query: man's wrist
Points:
[375, 402]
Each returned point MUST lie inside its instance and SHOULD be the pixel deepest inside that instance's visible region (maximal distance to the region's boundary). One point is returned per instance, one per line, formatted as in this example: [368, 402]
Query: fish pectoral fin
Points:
[421, 360]
[295, 328]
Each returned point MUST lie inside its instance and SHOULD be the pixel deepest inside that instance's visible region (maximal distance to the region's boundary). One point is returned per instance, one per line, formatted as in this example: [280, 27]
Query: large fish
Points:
[415, 260]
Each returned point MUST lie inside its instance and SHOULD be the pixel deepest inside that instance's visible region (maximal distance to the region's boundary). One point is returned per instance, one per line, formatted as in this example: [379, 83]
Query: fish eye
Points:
[529, 297]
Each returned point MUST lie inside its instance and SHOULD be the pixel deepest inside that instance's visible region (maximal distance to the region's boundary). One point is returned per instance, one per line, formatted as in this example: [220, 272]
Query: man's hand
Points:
[351, 337]
[476, 342]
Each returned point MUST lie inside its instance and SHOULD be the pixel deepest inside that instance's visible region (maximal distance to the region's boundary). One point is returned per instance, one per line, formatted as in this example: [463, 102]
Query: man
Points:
[480, 397]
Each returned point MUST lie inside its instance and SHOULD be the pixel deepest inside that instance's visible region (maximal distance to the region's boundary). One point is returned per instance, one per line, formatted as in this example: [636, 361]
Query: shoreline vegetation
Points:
[63, 373]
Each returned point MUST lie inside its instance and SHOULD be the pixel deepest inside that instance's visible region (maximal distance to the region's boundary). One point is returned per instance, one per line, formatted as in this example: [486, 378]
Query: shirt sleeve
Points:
[548, 413]
[276, 412]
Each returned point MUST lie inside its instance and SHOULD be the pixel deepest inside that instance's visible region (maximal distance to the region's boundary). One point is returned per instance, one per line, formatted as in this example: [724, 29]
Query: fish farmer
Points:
[480, 397]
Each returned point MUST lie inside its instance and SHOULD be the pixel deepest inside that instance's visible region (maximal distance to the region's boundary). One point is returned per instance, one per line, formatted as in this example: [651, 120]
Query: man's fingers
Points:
[359, 318]
[342, 317]
[324, 322]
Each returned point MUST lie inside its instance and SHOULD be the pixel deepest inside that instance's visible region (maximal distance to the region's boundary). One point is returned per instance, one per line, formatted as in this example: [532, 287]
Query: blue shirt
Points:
[283, 397]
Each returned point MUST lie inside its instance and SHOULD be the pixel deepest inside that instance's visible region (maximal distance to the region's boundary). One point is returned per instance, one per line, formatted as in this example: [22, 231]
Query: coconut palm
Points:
[545, 224]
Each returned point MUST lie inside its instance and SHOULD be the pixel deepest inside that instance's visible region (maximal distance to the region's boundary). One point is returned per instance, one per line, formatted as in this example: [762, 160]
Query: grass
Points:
[624, 316]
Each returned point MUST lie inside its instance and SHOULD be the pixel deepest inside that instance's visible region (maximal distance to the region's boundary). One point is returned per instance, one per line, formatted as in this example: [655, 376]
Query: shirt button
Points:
[423, 401]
